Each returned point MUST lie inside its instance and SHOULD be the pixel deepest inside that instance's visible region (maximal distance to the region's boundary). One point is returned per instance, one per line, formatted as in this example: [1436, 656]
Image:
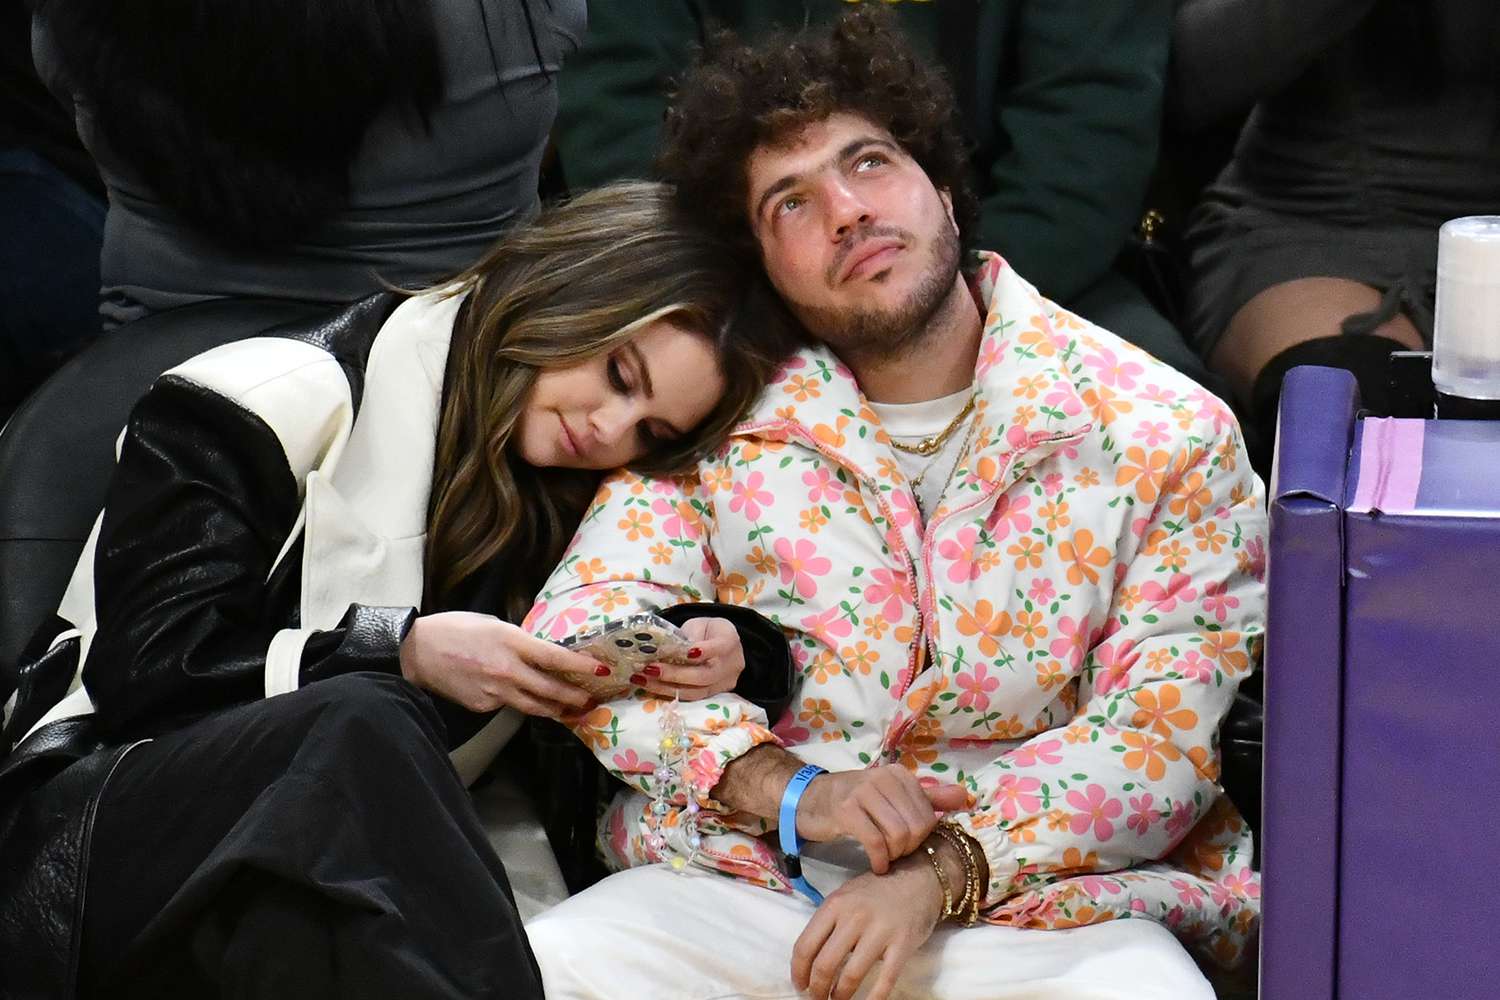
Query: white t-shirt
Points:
[909, 423]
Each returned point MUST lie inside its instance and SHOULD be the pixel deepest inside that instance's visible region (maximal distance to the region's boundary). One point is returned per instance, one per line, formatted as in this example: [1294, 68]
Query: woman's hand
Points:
[483, 663]
[716, 663]
[871, 918]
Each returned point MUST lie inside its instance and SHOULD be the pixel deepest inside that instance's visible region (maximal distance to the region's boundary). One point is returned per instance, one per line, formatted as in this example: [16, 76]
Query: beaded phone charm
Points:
[671, 766]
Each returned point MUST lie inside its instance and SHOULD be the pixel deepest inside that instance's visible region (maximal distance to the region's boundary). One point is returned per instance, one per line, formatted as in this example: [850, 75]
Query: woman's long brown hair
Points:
[579, 281]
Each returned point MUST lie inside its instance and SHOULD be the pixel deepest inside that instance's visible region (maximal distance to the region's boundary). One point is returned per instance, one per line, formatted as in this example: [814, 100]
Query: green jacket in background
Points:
[1062, 97]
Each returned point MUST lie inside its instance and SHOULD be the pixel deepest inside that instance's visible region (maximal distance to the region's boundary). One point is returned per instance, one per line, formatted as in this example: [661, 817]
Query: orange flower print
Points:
[801, 388]
[1083, 557]
[816, 713]
[1160, 710]
[1059, 820]
[1106, 403]
[825, 667]
[1029, 628]
[1224, 647]
[661, 553]
[1145, 470]
[876, 626]
[763, 561]
[1174, 555]
[1210, 538]
[1030, 386]
[589, 571]
[1074, 860]
[986, 622]
[1038, 338]
[1191, 497]
[1028, 552]
[1055, 515]
[1049, 674]
[1087, 478]
[596, 728]
[859, 657]
[717, 479]
[812, 519]
[636, 524]
[1146, 754]
[610, 599]
[733, 588]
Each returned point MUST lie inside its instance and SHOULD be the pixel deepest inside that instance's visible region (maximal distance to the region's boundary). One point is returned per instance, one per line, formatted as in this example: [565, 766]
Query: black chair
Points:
[57, 452]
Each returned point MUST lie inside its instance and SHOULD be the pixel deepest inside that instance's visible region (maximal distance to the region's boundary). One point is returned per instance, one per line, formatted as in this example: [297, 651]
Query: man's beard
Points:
[870, 335]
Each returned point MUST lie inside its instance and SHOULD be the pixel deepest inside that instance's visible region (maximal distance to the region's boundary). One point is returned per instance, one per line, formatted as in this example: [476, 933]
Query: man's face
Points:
[854, 235]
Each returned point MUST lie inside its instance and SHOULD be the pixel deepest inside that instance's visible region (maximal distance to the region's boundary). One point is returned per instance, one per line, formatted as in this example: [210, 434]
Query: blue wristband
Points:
[791, 843]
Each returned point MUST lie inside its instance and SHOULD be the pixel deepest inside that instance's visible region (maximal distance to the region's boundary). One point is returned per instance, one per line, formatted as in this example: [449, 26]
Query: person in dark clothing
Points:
[286, 150]
[1371, 122]
[52, 212]
[1061, 105]
[235, 753]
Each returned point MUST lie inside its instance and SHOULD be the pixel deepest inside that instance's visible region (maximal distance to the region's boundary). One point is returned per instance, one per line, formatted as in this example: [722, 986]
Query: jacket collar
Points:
[1028, 401]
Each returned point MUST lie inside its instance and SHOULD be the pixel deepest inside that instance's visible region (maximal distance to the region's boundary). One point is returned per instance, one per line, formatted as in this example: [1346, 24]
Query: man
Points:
[1017, 561]
[1061, 104]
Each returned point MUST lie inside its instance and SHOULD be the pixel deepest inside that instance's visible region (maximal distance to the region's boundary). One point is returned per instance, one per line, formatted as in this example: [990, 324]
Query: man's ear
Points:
[948, 205]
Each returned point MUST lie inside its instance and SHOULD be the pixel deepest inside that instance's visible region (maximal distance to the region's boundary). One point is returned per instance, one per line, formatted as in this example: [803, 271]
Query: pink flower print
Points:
[1010, 512]
[1189, 893]
[1175, 916]
[831, 623]
[630, 762]
[1152, 433]
[1115, 664]
[1042, 591]
[1142, 815]
[1138, 905]
[1222, 897]
[1178, 588]
[903, 510]
[1052, 484]
[1180, 822]
[566, 623]
[1216, 600]
[679, 518]
[1244, 883]
[888, 588]
[1195, 667]
[964, 565]
[1097, 886]
[704, 770]
[989, 354]
[1066, 400]
[825, 485]
[749, 497]
[1071, 638]
[1252, 559]
[1112, 371]
[1031, 754]
[1017, 796]
[789, 732]
[1158, 394]
[1095, 809]
[976, 685]
[800, 563]
[1139, 525]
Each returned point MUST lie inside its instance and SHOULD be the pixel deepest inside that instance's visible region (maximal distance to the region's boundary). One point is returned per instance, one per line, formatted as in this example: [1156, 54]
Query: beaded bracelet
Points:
[672, 750]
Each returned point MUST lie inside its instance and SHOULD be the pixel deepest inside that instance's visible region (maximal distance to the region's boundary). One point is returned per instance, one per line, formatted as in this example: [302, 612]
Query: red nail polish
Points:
[600, 670]
[637, 679]
[651, 670]
[694, 653]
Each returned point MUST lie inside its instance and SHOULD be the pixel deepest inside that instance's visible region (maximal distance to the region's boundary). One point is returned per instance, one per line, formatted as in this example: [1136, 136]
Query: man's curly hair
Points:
[737, 97]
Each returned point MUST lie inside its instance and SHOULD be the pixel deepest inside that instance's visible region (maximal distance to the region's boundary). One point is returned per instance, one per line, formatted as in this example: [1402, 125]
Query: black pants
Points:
[315, 844]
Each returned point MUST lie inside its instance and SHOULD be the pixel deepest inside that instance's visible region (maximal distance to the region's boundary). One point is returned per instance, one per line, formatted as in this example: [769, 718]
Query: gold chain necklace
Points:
[915, 483]
[930, 445]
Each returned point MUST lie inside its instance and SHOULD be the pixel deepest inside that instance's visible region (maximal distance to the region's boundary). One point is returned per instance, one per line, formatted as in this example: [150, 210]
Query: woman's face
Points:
[612, 409]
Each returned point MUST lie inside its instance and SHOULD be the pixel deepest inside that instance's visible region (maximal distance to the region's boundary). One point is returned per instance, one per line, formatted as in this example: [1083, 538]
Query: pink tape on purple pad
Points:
[1390, 465]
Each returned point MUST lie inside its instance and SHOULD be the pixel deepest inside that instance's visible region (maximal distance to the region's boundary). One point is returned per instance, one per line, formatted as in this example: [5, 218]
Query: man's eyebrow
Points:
[848, 150]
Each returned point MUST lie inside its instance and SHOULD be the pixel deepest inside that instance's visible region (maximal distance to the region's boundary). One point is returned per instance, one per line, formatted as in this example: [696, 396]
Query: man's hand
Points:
[871, 918]
[885, 808]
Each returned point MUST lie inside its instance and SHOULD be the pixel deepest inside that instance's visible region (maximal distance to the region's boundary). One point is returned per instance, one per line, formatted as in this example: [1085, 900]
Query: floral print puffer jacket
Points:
[1063, 638]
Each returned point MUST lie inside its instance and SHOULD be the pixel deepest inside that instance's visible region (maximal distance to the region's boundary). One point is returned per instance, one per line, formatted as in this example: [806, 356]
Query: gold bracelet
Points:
[973, 887]
[964, 903]
[937, 869]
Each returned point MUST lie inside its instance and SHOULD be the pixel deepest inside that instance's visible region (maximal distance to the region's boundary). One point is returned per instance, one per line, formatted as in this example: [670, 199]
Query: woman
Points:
[319, 514]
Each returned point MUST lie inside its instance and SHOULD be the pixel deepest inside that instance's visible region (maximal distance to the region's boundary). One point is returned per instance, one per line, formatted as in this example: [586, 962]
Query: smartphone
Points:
[626, 645]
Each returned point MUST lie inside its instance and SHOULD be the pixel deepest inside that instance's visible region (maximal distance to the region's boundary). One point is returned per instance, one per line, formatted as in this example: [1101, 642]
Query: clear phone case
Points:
[626, 645]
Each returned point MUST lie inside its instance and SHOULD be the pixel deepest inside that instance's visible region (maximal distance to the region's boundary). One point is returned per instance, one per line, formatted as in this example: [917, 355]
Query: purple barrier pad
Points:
[1461, 467]
[1421, 770]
